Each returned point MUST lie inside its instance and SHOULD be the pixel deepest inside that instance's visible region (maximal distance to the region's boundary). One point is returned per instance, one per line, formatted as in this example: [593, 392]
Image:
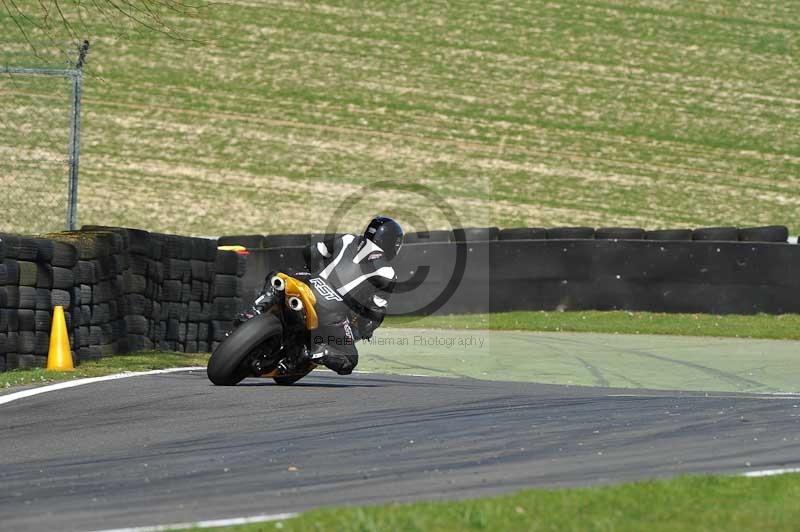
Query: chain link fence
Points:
[40, 146]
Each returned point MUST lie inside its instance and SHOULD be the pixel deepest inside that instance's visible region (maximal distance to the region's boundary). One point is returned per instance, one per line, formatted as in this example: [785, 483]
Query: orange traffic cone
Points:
[59, 357]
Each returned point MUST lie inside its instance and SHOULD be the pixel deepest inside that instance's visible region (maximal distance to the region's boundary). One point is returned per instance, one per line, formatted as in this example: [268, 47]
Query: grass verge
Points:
[783, 327]
[683, 503]
[143, 361]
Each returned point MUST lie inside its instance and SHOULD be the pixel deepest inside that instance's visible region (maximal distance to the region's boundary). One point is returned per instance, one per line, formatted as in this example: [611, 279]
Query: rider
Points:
[352, 280]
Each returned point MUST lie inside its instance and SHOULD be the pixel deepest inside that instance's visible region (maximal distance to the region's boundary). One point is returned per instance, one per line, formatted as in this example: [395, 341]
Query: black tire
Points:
[140, 265]
[718, 234]
[44, 275]
[196, 313]
[227, 365]
[225, 308]
[134, 304]
[136, 325]
[475, 234]
[186, 292]
[199, 269]
[85, 294]
[9, 320]
[197, 291]
[176, 268]
[772, 233]
[41, 343]
[43, 299]
[138, 343]
[27, 297]
[191, 331]
[9, 245]
[523, 233]
[28, 273]
[87, 272]
[26, 319]
[42, 320]
[570, 233]
[3, 275]
[101, 292]
[285, 241]
[619, 233]
[44, 250]
[64, 255]
[121, 262]
[247, 241]
[12, 271]
[25, 249]
[60, 297]
[171, 290]
[219, 330]
[63, 278]
[227, 286]
[669, 234]
[101, 314]
[423, 237]
[105, 268]
[135, 284]
[205, 249]
[227, 263]
[25, 342]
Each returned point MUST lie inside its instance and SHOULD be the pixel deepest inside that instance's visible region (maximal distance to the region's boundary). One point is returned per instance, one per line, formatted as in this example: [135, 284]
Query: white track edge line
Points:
[8, 398]
[771, 472]
[208, 524]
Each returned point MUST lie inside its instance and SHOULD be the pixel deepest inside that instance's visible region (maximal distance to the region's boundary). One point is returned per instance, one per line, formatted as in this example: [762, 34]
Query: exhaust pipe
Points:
[295, 303]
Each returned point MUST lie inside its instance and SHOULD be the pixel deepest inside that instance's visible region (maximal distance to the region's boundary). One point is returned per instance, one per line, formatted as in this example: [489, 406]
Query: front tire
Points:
[229, 362]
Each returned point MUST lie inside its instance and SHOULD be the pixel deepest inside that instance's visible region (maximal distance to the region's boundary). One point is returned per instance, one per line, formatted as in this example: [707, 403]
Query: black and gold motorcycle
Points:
[283, 318]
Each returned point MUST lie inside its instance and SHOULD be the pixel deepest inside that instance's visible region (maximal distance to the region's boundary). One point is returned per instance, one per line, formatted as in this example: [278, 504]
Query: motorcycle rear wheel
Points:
[229, 363]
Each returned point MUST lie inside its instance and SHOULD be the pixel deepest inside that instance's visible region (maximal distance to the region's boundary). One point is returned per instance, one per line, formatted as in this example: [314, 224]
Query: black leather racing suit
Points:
[352, 281]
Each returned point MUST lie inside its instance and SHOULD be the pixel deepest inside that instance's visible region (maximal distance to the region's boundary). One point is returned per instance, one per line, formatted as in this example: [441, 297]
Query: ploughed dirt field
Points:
[648, 113]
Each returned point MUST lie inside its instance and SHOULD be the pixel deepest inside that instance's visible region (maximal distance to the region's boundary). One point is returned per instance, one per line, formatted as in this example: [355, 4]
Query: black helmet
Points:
[386, 234]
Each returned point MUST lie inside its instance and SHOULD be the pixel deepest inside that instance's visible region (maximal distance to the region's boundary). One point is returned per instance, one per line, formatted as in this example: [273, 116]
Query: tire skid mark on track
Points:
[440, 372]
[598, 376]
[718, 374]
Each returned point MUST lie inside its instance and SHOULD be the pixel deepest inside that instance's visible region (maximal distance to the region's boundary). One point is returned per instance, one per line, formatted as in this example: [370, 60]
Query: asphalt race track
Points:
[173, 448]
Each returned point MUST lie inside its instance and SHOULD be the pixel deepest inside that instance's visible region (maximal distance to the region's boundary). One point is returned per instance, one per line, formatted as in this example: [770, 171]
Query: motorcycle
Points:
[285, 313]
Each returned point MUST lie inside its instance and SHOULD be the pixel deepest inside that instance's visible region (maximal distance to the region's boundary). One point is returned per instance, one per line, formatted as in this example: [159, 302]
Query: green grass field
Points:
[684, 503]
[780, 327]
[650, 113]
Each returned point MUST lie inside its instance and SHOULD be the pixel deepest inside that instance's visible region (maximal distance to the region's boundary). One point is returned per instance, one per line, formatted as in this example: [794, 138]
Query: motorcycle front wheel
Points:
[230, 361]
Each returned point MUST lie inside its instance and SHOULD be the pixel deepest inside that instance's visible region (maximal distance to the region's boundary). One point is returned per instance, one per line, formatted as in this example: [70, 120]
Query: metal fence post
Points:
[75, 137]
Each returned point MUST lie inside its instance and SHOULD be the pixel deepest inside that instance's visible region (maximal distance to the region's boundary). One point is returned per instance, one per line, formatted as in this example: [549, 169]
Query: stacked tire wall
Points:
[123, 290]
[717, 270]
[35, 275]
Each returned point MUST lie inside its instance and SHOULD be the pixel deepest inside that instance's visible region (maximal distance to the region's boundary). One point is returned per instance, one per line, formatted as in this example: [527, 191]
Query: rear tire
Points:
[228, 364]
